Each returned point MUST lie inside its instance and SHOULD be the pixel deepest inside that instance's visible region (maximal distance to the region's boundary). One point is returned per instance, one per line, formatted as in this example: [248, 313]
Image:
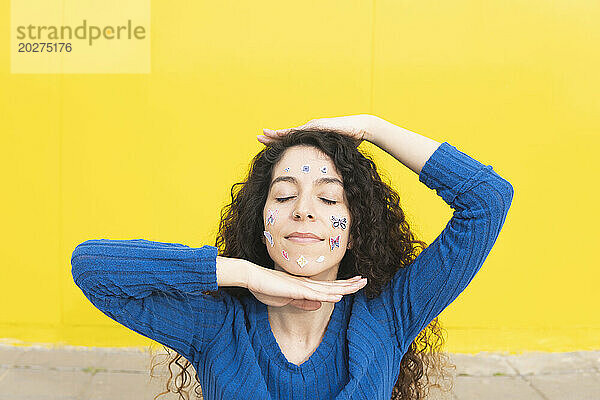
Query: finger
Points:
[341, 282]
[337, 290]
[263, 139]
[316, 295]
[327, 284]
[354, 278]
[270, 136]
[269, 133]
[350, 280]
[277, 132]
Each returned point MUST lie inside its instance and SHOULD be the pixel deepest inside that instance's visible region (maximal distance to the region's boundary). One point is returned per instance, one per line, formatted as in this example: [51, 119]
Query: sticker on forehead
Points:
[285, 254]
[320, 259]
[306, 168]
[338, 222]
[301, 261]
[334, 242]
[271, 215]
[324, 169]
[287, 169]
[269, 237]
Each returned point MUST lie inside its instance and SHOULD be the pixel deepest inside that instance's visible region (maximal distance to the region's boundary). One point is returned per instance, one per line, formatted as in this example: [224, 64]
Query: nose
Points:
[303, 209]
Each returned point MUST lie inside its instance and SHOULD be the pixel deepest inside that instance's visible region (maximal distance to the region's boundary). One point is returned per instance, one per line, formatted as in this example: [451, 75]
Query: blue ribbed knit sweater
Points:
[155, 289]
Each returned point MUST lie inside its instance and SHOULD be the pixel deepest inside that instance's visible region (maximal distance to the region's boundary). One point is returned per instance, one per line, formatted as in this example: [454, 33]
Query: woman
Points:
[276, 310]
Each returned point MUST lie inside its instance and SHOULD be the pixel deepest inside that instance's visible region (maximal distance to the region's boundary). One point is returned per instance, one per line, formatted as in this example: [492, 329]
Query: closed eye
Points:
[284, 199]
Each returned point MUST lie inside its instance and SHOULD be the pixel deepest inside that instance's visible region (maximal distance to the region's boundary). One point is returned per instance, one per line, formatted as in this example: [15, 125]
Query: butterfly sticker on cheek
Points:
[271, 215]
[334, 242]
[338, 222]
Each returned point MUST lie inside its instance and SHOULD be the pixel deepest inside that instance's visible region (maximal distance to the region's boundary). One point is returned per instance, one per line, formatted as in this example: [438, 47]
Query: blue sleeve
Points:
[480, 198]
[153, 288]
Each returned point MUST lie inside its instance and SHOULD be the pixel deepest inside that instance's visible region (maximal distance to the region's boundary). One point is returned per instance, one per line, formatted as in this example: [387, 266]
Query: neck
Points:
[305, 327]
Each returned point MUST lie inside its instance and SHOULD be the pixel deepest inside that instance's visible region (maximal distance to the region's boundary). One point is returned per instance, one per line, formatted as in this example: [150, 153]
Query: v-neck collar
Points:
[273, 350]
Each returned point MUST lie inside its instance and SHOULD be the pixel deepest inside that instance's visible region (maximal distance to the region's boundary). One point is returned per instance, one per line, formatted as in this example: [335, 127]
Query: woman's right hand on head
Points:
[278, 288]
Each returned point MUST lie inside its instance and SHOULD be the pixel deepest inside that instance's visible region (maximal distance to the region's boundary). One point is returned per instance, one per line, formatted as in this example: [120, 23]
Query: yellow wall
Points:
[513, 84]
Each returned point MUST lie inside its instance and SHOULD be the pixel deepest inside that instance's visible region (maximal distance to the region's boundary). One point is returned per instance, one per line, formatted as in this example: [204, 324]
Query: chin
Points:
[308, 273]
[300, 274]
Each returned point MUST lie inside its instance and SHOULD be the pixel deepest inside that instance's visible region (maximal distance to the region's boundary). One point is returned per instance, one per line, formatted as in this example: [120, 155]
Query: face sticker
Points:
[320, 259]
[286, 169]
[285, 254]
[301, 261]
[306, 169]
[334, 242]
[271, 216]
[324, 169]
[269, 238]
[338, 222]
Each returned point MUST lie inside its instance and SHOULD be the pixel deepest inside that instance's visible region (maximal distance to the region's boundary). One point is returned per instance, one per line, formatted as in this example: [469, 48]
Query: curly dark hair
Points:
[382, 243]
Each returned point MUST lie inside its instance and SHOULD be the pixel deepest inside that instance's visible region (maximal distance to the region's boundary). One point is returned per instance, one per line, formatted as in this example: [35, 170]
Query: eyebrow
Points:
[317, 182]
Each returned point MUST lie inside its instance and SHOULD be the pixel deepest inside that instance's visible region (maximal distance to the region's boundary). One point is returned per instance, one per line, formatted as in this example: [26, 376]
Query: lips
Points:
[302, 237]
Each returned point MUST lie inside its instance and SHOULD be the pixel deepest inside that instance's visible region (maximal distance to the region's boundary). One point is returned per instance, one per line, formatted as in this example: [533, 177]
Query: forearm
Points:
[410, 148]
[232, 271]
[137, 268]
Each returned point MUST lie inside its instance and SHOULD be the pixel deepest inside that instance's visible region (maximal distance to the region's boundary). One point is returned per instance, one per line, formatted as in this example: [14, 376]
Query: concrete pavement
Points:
[73, 373]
